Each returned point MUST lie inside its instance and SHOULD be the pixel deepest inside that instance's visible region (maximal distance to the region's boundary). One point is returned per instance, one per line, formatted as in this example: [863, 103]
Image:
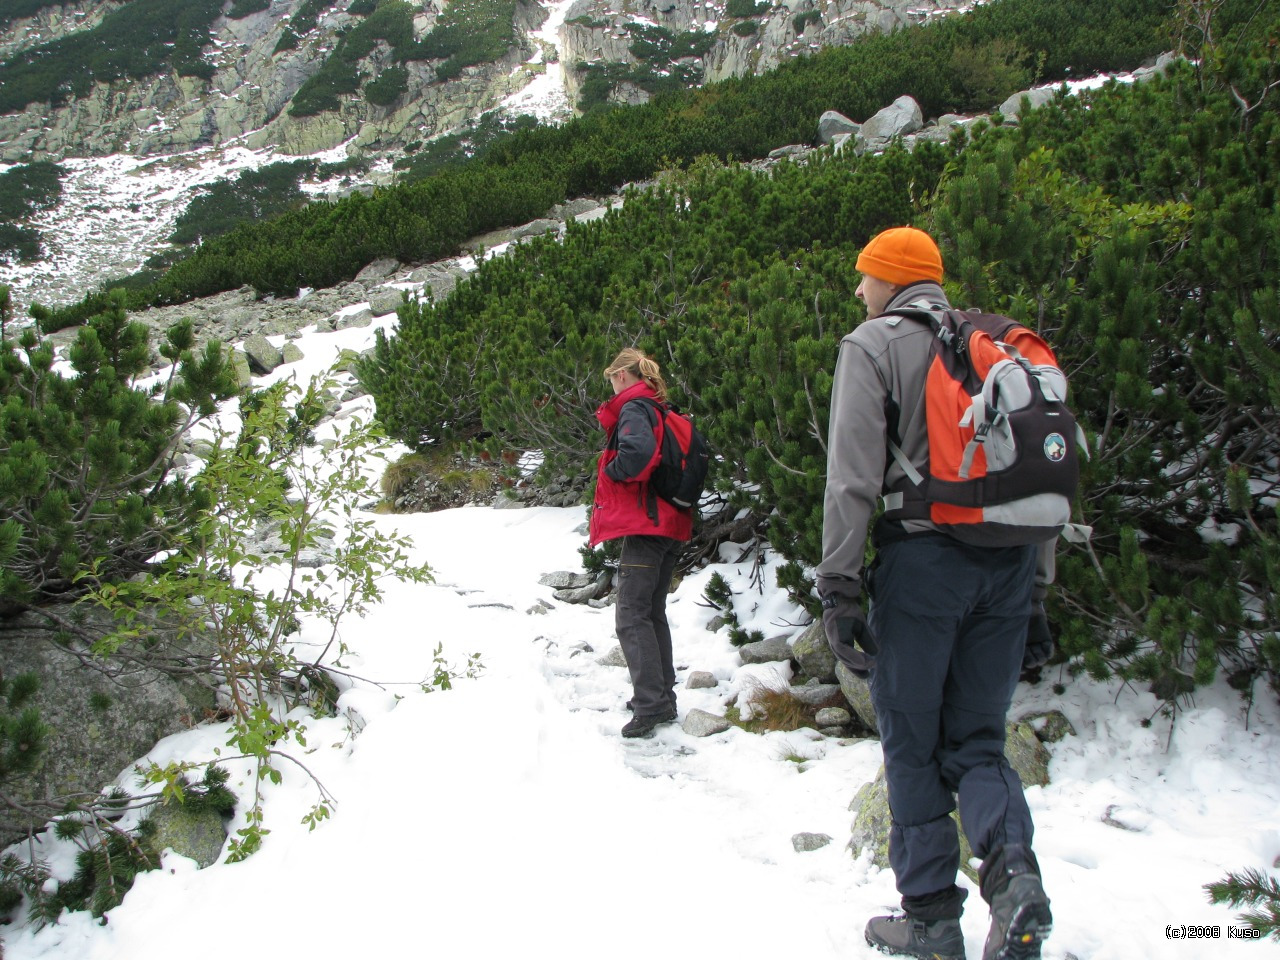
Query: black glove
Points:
[1039, 647]
[846, 624]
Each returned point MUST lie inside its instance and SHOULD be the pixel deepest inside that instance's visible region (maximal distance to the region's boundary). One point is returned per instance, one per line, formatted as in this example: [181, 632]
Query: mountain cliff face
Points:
[252, 85]
[710, 40]
[633, 47]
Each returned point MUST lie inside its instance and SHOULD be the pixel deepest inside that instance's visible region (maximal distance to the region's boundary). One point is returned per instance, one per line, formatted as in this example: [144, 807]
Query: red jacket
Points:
[624, 505]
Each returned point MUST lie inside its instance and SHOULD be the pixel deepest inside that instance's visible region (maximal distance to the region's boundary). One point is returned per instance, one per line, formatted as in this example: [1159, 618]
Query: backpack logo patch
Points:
[1055, 447]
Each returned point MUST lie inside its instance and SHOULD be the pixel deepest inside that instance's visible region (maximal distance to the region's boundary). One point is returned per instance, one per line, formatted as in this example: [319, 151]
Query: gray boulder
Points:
[439, 279]
[536, 228]
[240, 369]
[355, 318]
[290, 353]
[1161, 67]
[573, 209]
[262, 356]
[101, 716]
[790, 150]
[858, 692]
[384, 301]
[813, 694]
[700, 680]
[765, 651]
[378, 270]
[808, 842]
[1026, 754]
[832, 717]
[832, 123]
[1012, 108]
[900, 118]
[593, 590]
[614, 658]
[1050, 726]
[812, 652]
[195, 834]
[562, 579]
[269, 543]
[700, 723]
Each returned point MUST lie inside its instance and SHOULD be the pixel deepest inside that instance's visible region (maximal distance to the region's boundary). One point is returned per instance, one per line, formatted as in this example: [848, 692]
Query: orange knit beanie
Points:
[900, 256]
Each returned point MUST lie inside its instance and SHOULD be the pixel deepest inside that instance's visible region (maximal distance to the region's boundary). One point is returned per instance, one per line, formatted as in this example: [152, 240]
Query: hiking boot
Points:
[908, 936]
[1020, 917]
[631, 704]
[644, 726]
[1020, 920]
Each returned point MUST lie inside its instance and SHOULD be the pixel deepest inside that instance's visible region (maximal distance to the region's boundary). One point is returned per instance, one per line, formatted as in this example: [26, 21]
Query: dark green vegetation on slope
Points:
[19, 9]
[467, 32]
[1136, 227]
[24, 190]
[520, 177]
[138, 40]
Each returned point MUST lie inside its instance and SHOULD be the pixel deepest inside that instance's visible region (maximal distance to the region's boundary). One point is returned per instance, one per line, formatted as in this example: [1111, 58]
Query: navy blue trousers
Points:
[951, 620]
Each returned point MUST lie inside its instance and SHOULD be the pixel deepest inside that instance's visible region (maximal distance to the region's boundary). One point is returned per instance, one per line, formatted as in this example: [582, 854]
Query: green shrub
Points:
[139, 39]
[746, 8]
[743, 118]
[87, 490]
[801, 21]
[18, 9]
[1145, 253]
[746, 28]
[288, 41]
[252, 196]
[388, 87]
[1255, 889]
[244, 8]
[468, 32]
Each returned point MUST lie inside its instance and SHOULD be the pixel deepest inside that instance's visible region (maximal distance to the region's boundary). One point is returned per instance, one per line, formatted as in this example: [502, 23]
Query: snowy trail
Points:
[508, 817]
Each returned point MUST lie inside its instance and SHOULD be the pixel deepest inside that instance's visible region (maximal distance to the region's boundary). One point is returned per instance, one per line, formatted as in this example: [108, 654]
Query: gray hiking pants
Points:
[951, 620]
[644, 577]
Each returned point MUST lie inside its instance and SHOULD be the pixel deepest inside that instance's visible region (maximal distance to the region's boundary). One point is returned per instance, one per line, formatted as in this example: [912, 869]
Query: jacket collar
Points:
[920, 290]
[609, 411]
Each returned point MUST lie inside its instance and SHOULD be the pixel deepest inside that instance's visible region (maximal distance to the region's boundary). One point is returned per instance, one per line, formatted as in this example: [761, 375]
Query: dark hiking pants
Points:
[951, 620]
[644, 577]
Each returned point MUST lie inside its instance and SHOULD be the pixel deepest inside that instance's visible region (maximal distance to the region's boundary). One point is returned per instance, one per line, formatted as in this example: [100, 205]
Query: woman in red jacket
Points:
[652, 532]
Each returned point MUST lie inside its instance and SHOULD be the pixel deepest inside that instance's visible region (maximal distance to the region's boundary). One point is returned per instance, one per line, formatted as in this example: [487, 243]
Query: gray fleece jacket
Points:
[880, 375]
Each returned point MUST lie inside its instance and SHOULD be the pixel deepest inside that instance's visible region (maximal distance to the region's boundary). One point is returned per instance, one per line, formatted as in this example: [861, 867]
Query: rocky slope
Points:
[251, 89]
[740, 37]
[253, 85]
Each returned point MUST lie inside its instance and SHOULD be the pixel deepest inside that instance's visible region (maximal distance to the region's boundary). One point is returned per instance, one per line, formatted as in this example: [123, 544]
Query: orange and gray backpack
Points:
[1004, 449]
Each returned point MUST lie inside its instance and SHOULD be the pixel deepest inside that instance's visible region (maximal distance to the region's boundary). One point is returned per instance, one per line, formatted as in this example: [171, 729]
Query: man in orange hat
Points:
[943, 645]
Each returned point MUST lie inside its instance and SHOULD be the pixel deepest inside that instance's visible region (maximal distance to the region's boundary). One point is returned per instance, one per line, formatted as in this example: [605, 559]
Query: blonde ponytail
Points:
[642, 367]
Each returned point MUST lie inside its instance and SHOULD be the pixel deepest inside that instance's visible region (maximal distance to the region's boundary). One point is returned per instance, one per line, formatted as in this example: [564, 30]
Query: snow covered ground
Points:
[507, 817]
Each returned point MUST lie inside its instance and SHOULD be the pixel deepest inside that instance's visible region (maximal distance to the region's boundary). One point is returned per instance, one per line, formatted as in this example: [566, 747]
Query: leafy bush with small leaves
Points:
[214, 584]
